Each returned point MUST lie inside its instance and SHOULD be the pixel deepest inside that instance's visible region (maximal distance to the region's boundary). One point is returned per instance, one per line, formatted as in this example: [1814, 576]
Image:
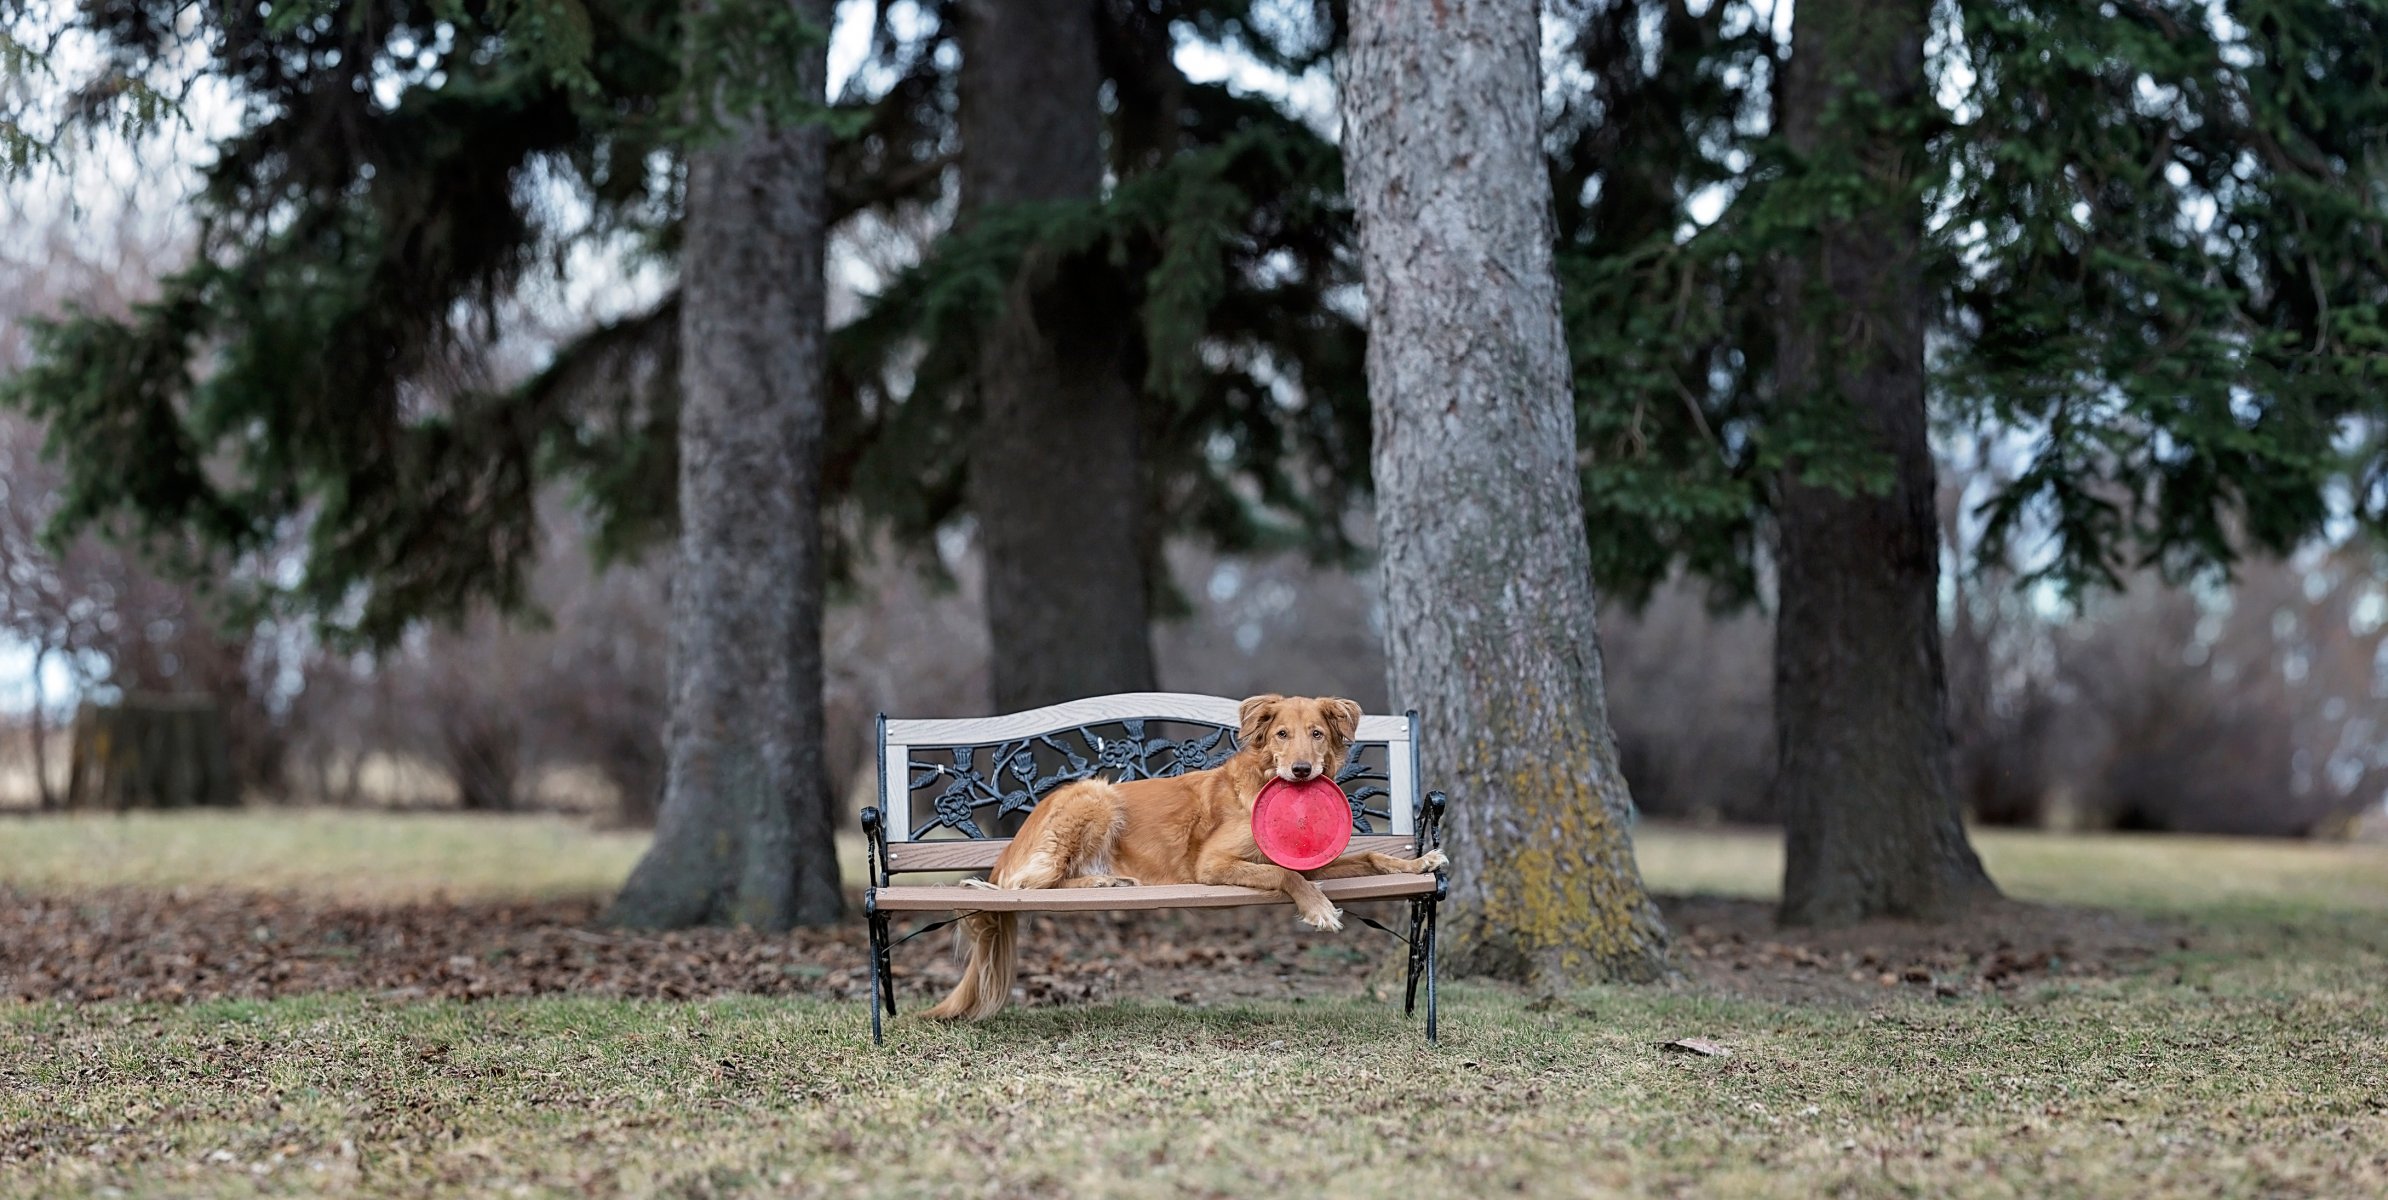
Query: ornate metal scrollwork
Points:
[957, 793]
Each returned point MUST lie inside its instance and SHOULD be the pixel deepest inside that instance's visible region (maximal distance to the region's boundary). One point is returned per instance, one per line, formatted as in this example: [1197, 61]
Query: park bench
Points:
[947, 786]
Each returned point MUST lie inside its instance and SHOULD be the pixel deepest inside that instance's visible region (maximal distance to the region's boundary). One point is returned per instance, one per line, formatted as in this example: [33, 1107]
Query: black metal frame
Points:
[1427, 824]
[874, 834]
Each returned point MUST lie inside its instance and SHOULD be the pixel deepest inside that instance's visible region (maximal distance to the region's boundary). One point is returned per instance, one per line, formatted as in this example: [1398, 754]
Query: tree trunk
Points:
[1487, 580]
[1862, 777]
[150, 751]
[1056, 479]
[744, 833]
[484, 760]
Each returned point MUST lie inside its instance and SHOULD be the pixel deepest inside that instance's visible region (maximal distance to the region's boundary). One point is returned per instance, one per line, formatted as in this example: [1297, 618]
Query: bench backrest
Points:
[946, 786]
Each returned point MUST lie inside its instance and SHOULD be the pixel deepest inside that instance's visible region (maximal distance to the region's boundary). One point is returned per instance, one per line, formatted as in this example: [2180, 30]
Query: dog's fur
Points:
[1192, 828]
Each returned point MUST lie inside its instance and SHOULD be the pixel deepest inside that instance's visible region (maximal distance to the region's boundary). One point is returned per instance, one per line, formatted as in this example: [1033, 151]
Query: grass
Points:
[370, 855]
[2255, 1065]
[352, 854]
[2165, 873]
[356, 855]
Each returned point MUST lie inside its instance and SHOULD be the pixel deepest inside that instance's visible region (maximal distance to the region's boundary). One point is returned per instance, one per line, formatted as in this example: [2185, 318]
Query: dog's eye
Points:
[1281, 735]
[1317, 734]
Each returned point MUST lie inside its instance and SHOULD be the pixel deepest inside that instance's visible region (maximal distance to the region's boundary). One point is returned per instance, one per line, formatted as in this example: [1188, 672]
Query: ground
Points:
[359, 1004]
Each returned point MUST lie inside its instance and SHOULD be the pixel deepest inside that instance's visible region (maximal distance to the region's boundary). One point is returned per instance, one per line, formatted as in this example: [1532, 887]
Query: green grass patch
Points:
[2253, 1063]
[2272, 1086]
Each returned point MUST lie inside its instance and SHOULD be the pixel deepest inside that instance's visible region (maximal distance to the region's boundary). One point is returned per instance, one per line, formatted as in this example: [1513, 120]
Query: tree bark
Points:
[1056, 477]
[1487, 580]
[744, 835]
[1861, 692]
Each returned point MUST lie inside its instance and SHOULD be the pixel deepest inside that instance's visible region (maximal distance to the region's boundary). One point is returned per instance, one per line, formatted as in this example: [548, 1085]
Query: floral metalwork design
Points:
[955, 791]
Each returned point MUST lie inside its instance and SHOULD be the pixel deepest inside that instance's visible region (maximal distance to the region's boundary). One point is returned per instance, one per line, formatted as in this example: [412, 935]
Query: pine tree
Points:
[2123, 220]
[1055, 473]
[1205, 273]
[1860, 687]
[309, 370]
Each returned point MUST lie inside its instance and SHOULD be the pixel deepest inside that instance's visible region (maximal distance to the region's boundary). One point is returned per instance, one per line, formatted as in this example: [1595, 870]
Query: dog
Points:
[1190, 828]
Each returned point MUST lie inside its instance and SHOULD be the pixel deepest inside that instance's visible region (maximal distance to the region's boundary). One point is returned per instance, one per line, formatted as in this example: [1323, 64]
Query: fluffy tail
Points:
[987, 977]
[1070, 831]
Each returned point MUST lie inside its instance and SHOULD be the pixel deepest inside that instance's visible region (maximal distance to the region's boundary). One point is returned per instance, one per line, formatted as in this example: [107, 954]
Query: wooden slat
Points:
[978, 854]
[1150, 706]
[953, 854]
[1184, 895]
[1401, 761]
[895, 786]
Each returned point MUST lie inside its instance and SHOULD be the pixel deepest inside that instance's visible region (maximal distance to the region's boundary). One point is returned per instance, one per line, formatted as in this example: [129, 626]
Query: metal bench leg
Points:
[1417, 940]
[1430, 923]
[886, 968]
[882, 972]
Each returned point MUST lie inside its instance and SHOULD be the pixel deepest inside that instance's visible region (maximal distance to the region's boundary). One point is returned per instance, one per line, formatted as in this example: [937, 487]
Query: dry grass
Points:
[2148, 1089]
[2254, 1064]
[376, 855]
[2154, 872]
[347, 854]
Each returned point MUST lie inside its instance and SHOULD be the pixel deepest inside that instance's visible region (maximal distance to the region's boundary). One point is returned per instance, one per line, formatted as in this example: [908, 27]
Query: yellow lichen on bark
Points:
[1555, 897]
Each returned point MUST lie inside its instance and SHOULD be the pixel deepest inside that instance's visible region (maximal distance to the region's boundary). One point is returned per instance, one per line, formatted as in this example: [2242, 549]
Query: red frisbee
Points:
[1302, 826]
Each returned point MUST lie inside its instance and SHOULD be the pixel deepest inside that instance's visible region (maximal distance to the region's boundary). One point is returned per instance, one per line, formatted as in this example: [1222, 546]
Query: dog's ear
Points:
[1344, 716]
[1254, 715]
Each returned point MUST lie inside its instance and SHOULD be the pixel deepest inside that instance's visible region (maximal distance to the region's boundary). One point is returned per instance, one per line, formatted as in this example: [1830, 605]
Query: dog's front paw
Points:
[1433, 860]
[1111, 881]
[1329, 920]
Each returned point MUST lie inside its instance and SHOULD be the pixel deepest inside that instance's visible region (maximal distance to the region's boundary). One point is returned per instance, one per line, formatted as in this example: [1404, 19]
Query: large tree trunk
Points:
[744, 834]
[1056, 480]
[1861, 719]
[1488, 584]
[151, 751]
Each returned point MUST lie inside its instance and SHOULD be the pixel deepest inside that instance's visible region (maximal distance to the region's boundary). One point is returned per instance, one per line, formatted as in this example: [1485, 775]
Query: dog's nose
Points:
[1303, 771]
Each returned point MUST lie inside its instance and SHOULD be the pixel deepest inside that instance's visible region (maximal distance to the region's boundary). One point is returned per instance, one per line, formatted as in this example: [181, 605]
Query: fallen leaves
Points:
[187, 945]
[1734, 946]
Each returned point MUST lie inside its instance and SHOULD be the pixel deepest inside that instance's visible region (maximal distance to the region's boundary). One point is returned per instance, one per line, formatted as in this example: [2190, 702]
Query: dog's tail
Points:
[1074, 828]
[987, 978]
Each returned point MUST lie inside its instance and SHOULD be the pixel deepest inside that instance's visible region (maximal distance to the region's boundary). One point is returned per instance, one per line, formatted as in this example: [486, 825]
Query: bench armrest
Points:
[874, 838]
[1428, 821]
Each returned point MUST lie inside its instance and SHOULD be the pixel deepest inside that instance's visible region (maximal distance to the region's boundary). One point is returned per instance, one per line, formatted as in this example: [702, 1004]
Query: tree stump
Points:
[151, 752]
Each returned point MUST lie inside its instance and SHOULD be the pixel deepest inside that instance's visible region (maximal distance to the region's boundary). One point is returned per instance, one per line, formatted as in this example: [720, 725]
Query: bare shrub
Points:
[903, 636]
[1691, 697]
[120, 628]
[1275, 623]
[2253, 711]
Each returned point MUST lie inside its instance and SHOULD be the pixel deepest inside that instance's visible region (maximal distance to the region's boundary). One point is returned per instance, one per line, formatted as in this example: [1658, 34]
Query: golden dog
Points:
[1193, 828]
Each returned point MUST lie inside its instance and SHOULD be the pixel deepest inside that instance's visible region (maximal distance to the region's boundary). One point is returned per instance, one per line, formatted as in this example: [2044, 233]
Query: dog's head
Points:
[1299, 737]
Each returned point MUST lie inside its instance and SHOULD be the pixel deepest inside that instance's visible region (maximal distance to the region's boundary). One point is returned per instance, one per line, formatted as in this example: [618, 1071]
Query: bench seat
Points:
[957, 898]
